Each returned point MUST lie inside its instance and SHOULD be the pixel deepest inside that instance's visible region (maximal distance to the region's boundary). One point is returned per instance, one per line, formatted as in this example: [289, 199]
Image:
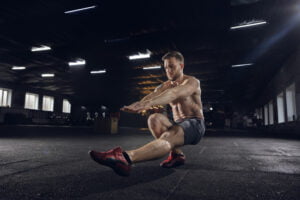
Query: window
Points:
[48, 103]
[5, 97]
[266, 115]
[31, 101]
[258, 113]
[280, 108]
[271, 113]
[66, 106]
[291, 103]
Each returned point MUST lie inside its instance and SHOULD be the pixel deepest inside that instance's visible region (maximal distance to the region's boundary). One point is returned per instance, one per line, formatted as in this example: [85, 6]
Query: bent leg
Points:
[169, 140]
[158, 124]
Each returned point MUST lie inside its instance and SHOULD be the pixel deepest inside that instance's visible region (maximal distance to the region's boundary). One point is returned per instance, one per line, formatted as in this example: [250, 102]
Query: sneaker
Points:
[173, 160]
[114, 159]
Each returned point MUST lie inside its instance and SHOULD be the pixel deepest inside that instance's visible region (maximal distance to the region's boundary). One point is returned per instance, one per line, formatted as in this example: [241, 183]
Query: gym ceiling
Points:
[107, 32]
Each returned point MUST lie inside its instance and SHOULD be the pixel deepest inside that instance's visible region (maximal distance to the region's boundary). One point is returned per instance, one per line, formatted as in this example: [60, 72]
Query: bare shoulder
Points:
[191, 79]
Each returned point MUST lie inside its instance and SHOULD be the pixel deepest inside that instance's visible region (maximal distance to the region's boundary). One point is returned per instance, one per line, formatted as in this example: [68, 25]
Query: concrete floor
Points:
[222, 166]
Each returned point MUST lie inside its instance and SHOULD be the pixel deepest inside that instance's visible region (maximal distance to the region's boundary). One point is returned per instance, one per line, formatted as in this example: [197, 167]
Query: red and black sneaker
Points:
[173, 160]
[114, 159]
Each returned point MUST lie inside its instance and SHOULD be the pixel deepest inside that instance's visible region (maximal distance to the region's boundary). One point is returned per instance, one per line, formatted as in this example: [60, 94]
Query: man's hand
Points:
[137, 107]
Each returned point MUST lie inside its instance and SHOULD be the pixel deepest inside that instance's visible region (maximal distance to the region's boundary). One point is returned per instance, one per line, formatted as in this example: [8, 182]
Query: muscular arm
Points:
[158, 90]
[187, 88]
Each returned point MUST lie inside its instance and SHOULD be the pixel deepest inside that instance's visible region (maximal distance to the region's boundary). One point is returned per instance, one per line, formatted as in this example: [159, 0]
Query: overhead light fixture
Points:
[153, 67]
[242, 65]
[98, 72]
[48, 75]
[41, 48]
[18, 68]
[211, 108]
[80, 9]
[77, 62]
[248, 24]
[140, 56]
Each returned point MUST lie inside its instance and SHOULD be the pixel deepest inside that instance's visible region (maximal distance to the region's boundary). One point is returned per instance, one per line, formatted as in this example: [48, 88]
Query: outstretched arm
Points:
[187, 88]
[158, 90]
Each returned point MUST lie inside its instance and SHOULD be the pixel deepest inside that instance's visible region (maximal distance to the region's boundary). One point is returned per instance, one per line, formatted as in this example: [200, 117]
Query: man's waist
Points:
[187, 118]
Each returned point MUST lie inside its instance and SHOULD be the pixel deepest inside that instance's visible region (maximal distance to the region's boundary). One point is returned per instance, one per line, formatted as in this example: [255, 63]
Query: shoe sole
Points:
[176, 164]
[115, 165]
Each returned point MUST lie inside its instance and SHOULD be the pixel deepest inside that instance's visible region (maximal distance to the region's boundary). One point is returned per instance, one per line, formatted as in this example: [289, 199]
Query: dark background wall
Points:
[287, 75]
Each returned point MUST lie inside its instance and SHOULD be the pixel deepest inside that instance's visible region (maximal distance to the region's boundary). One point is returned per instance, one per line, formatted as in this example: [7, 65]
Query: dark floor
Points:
[222, 166]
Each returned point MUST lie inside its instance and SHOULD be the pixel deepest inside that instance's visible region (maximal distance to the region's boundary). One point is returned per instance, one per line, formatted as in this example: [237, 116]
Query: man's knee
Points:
[155, 119]
[158, 124]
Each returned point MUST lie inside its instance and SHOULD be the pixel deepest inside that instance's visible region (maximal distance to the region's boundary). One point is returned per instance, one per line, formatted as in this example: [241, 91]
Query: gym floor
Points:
[54, 164]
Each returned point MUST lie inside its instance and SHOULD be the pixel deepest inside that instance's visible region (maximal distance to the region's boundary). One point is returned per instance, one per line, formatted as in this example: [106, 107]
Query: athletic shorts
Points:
[193, 128]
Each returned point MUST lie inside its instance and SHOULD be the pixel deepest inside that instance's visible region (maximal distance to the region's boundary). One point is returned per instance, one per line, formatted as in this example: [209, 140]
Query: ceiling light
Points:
[80, 9]
[153, 67]
[242, 65]
[41, 48]
[18, 68]
[77, 62]
[48, 75]
[98, 72]
[248, 24]
[211, 108]
[140, 56]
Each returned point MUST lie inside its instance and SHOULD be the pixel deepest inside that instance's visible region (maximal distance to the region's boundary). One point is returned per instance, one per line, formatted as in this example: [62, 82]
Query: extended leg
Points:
[120, 162]
[170, 139]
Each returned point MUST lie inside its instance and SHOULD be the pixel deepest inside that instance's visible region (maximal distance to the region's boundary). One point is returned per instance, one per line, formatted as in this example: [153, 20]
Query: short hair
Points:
[173, 54]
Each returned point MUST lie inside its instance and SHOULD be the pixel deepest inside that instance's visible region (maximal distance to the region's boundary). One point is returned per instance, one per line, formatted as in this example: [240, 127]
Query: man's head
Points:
[174, 64]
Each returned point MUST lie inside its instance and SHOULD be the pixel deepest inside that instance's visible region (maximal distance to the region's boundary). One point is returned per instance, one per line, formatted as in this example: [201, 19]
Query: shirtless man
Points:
[183, 94]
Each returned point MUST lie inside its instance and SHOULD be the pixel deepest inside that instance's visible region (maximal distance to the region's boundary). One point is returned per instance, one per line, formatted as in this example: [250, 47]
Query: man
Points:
[183, 94]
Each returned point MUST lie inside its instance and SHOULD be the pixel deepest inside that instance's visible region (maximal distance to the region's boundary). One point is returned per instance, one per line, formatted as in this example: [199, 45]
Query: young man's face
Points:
[173, 68]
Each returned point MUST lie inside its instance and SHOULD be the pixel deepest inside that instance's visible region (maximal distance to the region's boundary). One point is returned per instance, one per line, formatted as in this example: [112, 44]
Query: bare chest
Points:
[180, 103]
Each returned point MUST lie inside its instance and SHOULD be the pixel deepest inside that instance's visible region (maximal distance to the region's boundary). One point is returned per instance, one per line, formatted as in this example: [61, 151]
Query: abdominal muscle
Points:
[188, 107]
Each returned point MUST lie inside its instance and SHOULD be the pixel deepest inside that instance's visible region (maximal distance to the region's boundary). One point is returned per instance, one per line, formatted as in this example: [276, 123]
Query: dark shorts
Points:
[193, 128]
